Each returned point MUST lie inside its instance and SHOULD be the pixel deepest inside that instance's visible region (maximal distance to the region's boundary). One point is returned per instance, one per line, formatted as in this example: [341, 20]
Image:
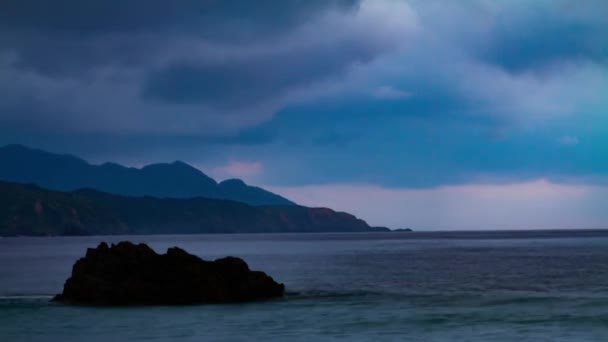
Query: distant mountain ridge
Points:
[33, 211]
[175, 180]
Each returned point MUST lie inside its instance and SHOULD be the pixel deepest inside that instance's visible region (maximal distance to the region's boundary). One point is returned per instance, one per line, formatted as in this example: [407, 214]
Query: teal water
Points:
[508, 286]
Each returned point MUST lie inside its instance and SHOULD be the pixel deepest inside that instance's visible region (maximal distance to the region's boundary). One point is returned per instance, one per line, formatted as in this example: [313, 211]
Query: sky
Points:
[472, 114]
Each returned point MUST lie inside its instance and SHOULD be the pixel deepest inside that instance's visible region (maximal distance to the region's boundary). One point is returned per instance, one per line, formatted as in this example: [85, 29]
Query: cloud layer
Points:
[407, 94]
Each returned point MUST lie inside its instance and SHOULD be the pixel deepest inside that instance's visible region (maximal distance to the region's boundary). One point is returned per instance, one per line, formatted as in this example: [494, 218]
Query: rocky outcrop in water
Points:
[130, 274]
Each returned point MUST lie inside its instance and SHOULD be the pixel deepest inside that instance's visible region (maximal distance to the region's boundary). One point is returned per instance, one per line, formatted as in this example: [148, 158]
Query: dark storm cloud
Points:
[107, 65]
[98, 17]
[65, 35]
[257, 77]
[399, 93]
[411, 152]
[547, 36]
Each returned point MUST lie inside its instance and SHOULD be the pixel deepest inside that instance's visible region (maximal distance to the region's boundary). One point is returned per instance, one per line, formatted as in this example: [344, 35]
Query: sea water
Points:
[463, 286]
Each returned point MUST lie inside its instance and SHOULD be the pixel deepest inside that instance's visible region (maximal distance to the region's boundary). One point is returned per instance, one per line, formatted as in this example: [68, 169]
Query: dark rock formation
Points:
[129, 274]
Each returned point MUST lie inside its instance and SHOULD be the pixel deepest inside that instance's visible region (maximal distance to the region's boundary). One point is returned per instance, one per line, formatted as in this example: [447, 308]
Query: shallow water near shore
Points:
[459, 286]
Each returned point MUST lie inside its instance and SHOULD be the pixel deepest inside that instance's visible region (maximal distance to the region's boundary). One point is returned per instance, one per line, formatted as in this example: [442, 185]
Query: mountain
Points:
[178, 180]
[34, 211]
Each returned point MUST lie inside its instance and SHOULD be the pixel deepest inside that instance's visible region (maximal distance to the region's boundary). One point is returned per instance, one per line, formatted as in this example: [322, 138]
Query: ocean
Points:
[420, 286]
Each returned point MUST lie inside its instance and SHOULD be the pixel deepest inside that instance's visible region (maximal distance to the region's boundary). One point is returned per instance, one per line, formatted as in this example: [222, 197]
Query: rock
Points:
[129, 274]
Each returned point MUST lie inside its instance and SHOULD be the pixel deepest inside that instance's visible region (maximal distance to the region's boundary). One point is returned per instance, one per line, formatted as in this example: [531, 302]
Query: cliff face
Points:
[31, 210]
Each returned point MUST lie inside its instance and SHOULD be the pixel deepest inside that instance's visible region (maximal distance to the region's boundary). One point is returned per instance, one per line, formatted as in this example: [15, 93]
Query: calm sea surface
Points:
[507, 286]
